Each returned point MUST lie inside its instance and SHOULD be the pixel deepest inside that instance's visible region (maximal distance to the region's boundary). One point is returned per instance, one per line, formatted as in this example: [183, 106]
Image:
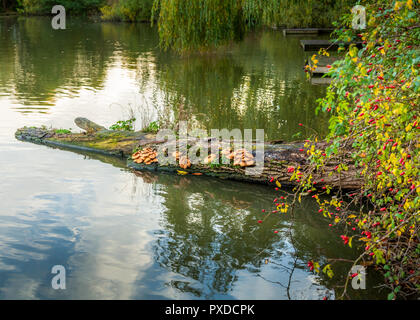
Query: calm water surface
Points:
[122, 235]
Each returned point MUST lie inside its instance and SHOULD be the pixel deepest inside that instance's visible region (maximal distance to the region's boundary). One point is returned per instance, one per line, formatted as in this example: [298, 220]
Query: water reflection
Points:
[257, 83]
[124, 235]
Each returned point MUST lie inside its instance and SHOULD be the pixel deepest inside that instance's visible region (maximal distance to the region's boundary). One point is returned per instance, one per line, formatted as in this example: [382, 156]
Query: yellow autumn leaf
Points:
[398, 5]
[316, 267]
[278, 184]
[410, 4]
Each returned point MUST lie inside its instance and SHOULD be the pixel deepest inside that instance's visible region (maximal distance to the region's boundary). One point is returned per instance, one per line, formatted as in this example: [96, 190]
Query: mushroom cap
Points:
[243, 155]
[145, 156]
[184, 162]
[135, 156]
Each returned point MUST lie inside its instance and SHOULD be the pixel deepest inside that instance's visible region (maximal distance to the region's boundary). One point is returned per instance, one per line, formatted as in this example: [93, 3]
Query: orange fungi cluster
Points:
[240, 157]
[146, 156]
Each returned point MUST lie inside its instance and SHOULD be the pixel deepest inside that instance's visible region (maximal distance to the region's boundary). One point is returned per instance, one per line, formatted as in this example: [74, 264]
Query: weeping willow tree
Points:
[188, 24]
[200, 24]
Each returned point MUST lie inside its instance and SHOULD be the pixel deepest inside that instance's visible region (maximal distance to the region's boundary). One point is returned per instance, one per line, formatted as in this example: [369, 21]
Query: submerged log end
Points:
[88, 125]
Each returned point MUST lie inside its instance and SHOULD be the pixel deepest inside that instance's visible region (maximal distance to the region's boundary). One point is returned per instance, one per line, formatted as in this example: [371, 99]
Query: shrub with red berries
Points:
[375, 118]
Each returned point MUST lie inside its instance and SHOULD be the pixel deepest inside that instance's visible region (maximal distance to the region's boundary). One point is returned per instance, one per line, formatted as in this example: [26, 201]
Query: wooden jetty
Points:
[307, 31]
[317, 81]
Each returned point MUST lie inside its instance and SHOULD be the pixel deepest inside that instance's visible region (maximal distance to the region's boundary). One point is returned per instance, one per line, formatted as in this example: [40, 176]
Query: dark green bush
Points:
[127, 10]
[45, 6]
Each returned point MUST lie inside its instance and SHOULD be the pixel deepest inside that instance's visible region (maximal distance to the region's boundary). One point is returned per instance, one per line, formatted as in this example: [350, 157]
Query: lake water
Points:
[125, 235]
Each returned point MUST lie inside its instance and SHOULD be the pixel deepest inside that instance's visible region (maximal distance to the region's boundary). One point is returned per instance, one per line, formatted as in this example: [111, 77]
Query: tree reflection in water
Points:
[210, 234]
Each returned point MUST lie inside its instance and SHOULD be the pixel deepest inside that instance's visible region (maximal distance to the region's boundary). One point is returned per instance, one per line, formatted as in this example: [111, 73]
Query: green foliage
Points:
[190, 24]
[62, 131]
[374, 100]
[123, 125]
[295, 13]
[153, 127]
[127, 10]
[45, 6]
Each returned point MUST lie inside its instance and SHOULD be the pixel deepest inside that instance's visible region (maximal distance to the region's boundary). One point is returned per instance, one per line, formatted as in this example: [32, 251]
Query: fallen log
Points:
[278, 158]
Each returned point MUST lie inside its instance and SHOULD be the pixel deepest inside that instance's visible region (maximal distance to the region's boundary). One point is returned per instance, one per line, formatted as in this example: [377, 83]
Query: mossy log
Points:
[278, 157]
